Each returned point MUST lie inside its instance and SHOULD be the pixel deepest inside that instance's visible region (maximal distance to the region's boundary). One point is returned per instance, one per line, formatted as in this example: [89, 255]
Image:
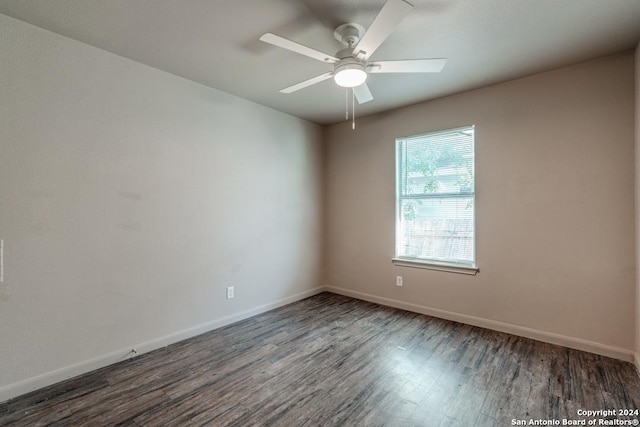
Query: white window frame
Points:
[439, 265]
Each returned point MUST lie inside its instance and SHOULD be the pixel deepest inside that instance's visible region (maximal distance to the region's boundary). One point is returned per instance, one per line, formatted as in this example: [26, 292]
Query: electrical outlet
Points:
[230, 292]
[398, 280]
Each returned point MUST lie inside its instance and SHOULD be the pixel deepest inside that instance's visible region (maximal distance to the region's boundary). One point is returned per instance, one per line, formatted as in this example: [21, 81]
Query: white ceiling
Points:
[215, 42]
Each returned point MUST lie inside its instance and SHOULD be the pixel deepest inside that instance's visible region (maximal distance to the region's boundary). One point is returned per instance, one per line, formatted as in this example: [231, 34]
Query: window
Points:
[435, 199]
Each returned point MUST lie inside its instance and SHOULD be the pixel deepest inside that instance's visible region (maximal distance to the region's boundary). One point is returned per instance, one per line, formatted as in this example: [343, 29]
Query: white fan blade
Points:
[387, 20]
[297, 48]
[408, 66]
[307, 83]
[362, 93]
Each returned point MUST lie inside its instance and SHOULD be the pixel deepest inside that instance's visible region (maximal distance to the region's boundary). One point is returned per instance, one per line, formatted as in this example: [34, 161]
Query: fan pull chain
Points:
[353, 109]
[346, 98]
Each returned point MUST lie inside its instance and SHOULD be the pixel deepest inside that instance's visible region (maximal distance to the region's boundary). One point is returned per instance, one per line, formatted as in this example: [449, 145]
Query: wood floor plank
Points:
[332, 360]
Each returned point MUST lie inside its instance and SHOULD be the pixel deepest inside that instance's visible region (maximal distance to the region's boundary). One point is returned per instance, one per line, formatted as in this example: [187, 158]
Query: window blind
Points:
[436, 197]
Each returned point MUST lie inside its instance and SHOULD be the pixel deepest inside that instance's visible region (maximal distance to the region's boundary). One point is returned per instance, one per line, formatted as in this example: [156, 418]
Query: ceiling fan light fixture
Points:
[350, 75]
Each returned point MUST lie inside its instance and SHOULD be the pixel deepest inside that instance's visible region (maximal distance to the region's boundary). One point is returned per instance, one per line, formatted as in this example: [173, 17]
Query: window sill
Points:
[437, 266]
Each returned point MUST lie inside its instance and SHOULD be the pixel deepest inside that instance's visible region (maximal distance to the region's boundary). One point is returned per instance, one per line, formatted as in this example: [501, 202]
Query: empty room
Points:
[319, 212]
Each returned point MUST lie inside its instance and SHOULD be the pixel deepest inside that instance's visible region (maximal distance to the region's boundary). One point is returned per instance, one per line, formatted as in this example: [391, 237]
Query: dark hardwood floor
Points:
[333, 360]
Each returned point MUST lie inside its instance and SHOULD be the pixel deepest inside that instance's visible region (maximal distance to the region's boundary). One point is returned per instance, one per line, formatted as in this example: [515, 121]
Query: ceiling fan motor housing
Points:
[349, 62]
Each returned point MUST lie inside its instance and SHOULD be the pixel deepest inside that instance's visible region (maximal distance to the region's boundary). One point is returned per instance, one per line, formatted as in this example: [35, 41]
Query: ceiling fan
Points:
[351, 65]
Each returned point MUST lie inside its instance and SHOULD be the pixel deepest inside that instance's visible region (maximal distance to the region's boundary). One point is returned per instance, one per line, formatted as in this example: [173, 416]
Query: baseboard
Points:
[549, 337]
[22, 387]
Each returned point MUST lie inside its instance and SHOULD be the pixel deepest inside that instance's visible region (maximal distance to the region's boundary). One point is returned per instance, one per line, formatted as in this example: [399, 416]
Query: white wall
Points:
[637, 148]
[555, 207]
[130, 198]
